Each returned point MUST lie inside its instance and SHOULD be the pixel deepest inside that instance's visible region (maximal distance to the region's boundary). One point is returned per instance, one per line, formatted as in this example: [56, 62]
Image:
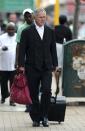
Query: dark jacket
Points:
[39, 53]
[61, 32]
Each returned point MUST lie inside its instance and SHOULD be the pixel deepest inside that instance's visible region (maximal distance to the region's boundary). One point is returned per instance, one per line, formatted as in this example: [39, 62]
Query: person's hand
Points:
[58, 69]
[4, 48]
[21, 70]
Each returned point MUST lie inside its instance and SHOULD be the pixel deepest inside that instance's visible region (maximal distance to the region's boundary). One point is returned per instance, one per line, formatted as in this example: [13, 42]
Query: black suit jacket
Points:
[35, 52]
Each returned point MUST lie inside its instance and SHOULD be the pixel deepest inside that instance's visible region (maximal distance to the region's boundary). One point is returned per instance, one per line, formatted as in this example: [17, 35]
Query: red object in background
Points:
[82, 1]
[19, 92]
[70, 6]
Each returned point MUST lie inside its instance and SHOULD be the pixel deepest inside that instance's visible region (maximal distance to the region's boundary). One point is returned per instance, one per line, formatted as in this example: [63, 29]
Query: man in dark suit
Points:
[38, 58]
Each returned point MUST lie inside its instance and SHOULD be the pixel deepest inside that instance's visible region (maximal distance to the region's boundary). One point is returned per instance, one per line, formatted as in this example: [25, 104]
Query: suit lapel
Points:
[36, 34]
[45, 33]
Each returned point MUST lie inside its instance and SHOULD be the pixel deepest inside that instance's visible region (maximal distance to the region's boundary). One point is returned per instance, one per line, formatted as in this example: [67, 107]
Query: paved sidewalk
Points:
[15, 119]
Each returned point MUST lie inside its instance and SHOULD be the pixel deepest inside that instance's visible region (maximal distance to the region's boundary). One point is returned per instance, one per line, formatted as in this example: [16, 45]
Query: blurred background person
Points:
[2, 25]
[81, 30]
[12, 17]
[28, 18]
[49, 21]
[62, 31]
[7, 61]
[62, 34]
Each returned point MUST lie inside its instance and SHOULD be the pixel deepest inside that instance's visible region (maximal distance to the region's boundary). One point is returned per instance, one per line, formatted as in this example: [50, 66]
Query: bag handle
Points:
[19, 74]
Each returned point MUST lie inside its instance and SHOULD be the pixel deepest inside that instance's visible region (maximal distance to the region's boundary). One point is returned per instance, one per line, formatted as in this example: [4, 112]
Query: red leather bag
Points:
[19, 92]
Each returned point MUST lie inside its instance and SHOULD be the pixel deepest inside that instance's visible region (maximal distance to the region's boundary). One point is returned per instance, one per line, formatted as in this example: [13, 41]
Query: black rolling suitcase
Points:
[57, 109]
[57, 104]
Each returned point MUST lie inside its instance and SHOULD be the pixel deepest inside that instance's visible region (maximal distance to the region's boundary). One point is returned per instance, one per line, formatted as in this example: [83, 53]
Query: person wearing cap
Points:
[7, 60]
[28, 17]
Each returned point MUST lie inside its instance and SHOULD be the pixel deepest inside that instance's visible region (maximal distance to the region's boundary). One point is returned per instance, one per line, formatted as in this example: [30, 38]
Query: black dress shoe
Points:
[6, 96]
[36, 124]
[45, 122]
[2, 100]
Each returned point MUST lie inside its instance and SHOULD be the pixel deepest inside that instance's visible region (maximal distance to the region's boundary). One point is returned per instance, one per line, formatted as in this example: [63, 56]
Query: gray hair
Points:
[37, 11]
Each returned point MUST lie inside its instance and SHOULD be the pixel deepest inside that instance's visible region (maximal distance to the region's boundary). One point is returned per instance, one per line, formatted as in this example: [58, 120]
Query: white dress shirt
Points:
[40, 30]
[7, 58]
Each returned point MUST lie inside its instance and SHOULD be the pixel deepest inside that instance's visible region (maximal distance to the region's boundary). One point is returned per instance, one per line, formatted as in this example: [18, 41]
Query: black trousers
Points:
[35, 78]
[5, 77]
